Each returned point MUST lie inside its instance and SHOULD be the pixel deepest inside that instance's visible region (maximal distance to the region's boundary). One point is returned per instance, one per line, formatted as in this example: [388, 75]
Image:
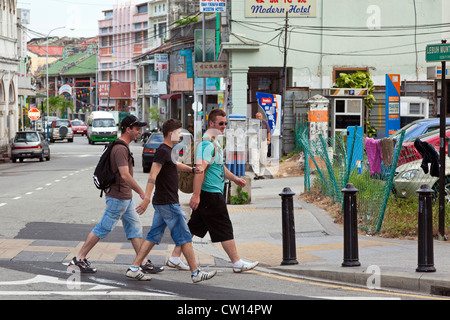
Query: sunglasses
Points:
[133, 123]
[221, 123]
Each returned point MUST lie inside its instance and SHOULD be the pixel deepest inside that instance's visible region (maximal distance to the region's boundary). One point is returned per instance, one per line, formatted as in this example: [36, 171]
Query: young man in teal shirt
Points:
[210, 212]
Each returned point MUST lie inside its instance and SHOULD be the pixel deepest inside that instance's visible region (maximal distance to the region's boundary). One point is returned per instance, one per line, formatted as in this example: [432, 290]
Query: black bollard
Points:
[425, 230]
[351, 257]
[287, 208]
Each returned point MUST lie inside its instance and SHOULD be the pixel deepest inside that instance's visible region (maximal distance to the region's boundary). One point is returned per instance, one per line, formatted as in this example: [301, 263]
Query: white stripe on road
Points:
[83, 293]
[105, 290]
[2, 204]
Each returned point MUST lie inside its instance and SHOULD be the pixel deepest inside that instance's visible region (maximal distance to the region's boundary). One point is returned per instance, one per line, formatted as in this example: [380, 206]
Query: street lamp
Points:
[48, 112]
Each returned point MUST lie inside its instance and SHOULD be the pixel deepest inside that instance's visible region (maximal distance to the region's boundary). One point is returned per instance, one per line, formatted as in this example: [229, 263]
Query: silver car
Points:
[409, 177]
[61, 129]
[29, 144]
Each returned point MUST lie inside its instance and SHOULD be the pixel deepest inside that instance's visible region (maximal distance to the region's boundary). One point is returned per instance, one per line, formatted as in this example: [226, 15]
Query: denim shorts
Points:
[169, 215]
[119, 209]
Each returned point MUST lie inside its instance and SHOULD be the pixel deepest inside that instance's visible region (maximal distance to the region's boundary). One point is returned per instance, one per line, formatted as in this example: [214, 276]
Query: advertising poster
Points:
[392, 104]
[271, 104]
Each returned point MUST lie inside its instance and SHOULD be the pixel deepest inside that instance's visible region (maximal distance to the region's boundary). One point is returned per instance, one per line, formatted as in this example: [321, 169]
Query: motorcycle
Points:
[145, 135]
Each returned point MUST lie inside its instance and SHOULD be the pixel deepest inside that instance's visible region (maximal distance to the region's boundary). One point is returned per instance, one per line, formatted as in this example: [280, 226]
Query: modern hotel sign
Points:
[279, 8]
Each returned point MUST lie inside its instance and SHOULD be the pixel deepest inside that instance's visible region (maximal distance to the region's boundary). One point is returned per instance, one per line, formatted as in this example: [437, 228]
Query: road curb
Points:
[427, 283]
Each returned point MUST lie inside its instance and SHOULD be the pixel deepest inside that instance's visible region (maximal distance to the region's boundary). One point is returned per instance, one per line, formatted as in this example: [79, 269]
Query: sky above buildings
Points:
[82, 15]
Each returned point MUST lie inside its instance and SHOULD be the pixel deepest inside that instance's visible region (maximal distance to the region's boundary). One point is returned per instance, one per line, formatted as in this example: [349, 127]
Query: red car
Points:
[79, 127]
[409, 152]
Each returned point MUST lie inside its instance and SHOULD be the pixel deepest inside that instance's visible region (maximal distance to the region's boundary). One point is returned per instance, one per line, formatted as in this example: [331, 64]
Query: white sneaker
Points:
[180, 266]
[202, 275]
[246, 266]
[138, 275]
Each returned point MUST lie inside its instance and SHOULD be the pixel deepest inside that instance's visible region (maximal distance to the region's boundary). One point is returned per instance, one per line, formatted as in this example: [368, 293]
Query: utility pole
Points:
[109, 89]
[442, 182]
[286, 26]
[205, 126]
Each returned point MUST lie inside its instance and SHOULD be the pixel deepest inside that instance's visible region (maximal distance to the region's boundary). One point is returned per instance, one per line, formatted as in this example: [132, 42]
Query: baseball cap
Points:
[132, 121]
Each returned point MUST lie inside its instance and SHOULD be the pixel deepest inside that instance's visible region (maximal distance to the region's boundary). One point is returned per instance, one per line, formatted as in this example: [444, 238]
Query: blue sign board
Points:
[189, 63]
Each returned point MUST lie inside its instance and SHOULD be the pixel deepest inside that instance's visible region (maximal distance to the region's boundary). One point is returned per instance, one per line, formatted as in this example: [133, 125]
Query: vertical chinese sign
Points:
[392, 103]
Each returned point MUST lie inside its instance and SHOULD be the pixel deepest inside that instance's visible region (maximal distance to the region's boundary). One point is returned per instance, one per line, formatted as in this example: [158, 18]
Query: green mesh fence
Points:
[343, 159]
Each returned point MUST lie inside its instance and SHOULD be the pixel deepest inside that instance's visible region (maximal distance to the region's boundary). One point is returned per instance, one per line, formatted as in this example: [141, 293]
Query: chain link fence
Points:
[351, 158]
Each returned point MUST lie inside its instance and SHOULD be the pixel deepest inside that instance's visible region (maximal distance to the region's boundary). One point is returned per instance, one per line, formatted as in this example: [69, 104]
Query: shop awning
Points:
[171, 96]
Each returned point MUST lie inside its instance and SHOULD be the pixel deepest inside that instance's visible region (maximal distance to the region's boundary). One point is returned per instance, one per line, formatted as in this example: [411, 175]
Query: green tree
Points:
[58, 103]
[360, 80]
[155, 116]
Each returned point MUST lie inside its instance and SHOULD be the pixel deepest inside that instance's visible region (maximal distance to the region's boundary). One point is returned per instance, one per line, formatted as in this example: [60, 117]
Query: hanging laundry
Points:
[387, 148]
[429, 155]
[373, 149]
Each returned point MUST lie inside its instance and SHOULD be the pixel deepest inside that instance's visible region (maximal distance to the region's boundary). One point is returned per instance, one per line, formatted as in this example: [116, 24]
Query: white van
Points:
[101, 127]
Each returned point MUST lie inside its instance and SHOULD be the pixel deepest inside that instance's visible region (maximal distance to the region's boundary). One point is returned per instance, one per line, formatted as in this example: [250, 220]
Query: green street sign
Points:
[438, 52]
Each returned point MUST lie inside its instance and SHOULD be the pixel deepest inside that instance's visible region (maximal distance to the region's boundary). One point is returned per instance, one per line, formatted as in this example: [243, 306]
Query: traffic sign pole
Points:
[443, 138]
[441, 53]
[442, 156]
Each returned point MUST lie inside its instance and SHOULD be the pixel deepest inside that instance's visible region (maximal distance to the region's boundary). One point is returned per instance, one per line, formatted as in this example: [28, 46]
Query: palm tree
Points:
[59, 105]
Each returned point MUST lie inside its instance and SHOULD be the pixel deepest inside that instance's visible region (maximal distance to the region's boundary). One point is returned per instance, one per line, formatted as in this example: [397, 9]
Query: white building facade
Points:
[325, 38]
[9, 63]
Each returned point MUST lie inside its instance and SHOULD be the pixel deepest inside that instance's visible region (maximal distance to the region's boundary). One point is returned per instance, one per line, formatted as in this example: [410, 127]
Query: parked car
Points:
[29, 144]
[409, 152]
[43, 123]
[148, 153]
[419, 127]
[181, 151]
[79, 127]
[61, 129]
[410, 177]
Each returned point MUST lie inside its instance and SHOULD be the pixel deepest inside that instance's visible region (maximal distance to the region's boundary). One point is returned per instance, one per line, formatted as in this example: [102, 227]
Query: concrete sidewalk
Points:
[385, 263]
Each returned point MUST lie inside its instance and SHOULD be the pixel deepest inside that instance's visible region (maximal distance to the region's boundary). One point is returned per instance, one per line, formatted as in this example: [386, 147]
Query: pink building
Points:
[123, 35]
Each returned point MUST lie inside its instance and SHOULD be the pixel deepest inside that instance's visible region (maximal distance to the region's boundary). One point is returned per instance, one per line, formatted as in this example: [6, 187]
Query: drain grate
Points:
[440, 291]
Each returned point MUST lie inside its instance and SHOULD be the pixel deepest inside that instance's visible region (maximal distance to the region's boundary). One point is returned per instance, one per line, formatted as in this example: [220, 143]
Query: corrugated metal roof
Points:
[87, 66]
[63, 65]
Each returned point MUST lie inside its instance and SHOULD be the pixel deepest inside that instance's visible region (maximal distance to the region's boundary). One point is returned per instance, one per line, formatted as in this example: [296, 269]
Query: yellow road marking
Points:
[342, 287]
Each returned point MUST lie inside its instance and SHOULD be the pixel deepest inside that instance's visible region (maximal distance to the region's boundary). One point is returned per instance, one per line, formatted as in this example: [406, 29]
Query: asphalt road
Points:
[56, 200]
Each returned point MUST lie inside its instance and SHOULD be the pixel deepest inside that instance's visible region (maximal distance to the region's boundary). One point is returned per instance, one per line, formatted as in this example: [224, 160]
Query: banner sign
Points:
[210, 45]
[392, 103]
[218, 69]
[271, 104]
[65, 89]
[189, 63]
[279, 8]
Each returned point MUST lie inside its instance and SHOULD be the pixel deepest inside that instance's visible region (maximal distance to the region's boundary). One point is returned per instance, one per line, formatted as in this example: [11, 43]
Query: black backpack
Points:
[103, 175]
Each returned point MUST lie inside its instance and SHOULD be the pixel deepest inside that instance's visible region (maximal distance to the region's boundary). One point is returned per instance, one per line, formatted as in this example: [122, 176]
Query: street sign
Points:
[34, 114]
[441, 53]
[218, 69]
[438, 52]
[161, 62]
[213, 5]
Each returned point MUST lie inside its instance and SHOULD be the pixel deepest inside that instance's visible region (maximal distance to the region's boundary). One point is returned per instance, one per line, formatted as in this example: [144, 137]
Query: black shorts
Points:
[211, 215]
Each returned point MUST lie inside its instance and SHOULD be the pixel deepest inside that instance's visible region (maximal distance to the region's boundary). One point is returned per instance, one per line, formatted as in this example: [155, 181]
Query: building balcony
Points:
[152, 88]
